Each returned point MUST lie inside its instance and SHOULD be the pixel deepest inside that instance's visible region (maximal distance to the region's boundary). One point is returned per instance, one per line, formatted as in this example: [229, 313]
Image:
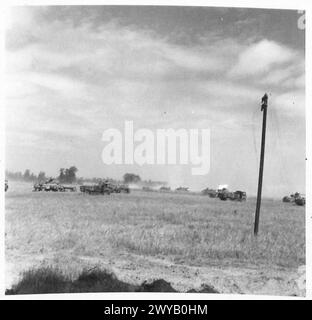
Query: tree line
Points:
[67, 175]
[27, 176]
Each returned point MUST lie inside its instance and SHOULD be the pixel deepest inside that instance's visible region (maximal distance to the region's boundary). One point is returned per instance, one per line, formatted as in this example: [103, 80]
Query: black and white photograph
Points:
[154, 148]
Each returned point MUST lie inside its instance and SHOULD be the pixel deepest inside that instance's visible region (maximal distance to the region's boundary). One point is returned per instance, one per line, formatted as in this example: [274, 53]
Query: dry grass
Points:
[189, 229]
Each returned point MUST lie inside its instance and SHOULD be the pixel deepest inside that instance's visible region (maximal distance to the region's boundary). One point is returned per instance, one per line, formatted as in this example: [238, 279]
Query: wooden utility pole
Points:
[264, 106]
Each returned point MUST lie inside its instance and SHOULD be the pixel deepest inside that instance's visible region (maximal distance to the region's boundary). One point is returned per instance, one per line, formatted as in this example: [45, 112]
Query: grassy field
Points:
[65, 229]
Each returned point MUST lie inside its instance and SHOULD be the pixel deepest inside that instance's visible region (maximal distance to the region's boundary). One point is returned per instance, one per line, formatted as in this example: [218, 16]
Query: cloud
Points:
[291, 103]
[192, 59]
[288, 77]
[27, 83]
[258, 58]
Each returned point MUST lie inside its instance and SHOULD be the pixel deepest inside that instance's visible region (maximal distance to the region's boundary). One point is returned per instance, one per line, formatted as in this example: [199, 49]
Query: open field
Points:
[188, 240]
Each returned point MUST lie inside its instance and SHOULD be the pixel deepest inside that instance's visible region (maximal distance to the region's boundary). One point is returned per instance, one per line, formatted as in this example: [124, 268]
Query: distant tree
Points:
[68, 175]
[131, 178]
[71, 174]
[41, 176]
[26, 176]
[62, 175]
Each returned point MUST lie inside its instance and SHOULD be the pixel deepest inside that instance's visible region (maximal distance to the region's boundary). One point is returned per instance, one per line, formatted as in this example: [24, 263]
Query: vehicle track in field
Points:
[136, 269]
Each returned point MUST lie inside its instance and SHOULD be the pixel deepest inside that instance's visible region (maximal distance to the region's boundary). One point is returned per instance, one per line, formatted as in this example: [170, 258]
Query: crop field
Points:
[188, 240]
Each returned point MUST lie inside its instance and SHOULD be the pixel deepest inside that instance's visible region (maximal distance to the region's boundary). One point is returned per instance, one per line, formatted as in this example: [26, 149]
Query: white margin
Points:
[269, 4]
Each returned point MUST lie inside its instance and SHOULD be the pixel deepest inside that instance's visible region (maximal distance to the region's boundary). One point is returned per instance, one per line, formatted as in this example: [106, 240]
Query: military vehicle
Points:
[118, 188]
[182, 189]
[45, 186]
[84, 187]
[291, 198]
[53, 185]
[296, 198]
[100, 188]
[225, 194]
[287, 199]
[38, 187]
[69, 188]
[113, 187]
[124, 188]
[164, 188]
[300, 201]
[240, 195]
[209, 192]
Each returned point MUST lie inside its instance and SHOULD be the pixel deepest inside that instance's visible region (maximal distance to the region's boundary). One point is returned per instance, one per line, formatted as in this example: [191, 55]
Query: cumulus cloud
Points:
[258, 58]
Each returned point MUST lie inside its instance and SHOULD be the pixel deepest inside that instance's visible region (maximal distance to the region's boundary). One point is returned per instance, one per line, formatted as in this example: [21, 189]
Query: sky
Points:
[74, 71]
